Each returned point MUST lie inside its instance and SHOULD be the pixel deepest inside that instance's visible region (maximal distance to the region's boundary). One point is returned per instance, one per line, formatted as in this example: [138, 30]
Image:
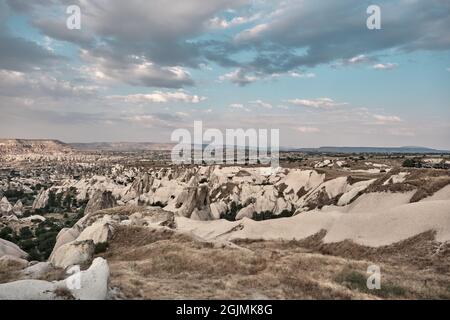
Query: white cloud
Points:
[252, 33]
[219, 23]
[160, 97]
[261, 104]
[38, 85]
[308, 129]
[358, 59]
[382, 119]
[385, 66]
[239, 77]
[403, 132]
[146, 120]
[238, 106]
[133, 70]
[295, 74]
[319, 103]
[243, 77]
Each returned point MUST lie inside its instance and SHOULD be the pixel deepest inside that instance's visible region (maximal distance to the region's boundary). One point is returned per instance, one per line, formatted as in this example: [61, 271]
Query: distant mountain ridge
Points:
[22, 146]
[18, 146]
[122, 146]
[409, 149]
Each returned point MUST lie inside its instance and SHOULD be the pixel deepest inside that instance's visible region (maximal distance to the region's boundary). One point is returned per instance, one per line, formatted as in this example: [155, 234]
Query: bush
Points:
[40, 243]
[412, 163]
[5, 232]
[27, 244]
[266, 215]
[230, 215]
[25, 233]
[101, 247]
[71, 222]
[13, 195]
[34, 255]
[8, 234]
[355, 280]
[409, 163]
[158, 204]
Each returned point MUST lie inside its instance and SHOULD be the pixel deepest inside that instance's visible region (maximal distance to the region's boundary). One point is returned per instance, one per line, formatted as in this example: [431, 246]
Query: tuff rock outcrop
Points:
[18, 208]
[73, 253]
[9, 248]
[91, 284]
[5, 207]
[100, 200]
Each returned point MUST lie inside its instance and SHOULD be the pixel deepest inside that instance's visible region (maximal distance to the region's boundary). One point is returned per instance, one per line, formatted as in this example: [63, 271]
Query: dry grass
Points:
[427, 187]
[425, 181]
[163, 264]
[64, 294]
[8, 274]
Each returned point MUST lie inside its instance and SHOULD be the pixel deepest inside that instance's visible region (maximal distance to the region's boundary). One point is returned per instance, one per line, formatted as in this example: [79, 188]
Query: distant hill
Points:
[122, 146]
[421, 150]
[21, 146]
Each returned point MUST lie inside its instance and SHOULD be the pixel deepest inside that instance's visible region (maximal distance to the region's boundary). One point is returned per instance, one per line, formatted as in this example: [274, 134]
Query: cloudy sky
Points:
[138, 69]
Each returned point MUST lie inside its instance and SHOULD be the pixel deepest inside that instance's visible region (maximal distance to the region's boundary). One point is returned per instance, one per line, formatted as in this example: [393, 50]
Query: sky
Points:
[137, 70]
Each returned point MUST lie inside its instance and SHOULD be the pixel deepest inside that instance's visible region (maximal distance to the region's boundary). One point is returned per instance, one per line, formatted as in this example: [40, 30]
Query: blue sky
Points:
[137, 70]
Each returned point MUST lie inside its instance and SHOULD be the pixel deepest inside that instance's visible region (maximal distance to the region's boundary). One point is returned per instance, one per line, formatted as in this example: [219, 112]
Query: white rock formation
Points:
[217, 209]
[5, 207]
[73, 253]
[37, 270]
[34, 217]
[100, 200]
[9, 248]
[246, 212]
[66, 235]
[41, 200]
[91, 284]
[99, 232]
[368, 223]
[94, 282]
[13, 261]
[396, 178]
[28, 290]
[18, 208]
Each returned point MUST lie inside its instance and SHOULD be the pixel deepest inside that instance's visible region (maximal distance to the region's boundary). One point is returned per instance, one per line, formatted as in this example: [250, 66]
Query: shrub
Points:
[35, 255]
[8, 234]
[101, 247]
[5, 232]
[25, 233]
[412, 163]
[13, 195]
[266, 215]
[230, 215]
[409, 163]
[26, 245]
[355, 280]
[158, 204]
[71, 222]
